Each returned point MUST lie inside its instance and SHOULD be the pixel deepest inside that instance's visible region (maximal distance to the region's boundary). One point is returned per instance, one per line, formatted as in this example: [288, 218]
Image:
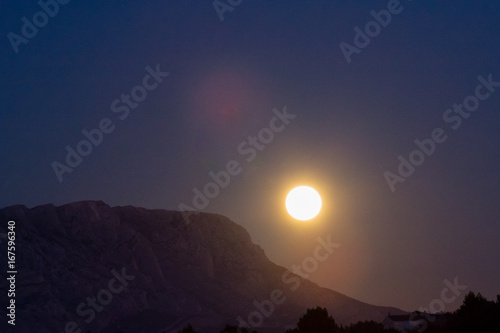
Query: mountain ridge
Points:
[207, 272]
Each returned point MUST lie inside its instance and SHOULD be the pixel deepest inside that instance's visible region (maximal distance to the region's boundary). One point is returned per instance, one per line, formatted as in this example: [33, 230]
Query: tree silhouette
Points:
[366, 327]
[477, 314]
[315, 321]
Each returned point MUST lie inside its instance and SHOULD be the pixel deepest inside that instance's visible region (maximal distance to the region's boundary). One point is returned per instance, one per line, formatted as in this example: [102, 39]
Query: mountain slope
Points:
[89, 266]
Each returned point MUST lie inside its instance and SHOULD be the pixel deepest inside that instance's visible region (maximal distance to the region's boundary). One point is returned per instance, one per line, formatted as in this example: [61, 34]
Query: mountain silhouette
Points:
[89, 266]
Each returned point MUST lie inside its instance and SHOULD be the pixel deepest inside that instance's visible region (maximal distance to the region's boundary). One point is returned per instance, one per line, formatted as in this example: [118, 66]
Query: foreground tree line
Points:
[313, 321]
[475, 315]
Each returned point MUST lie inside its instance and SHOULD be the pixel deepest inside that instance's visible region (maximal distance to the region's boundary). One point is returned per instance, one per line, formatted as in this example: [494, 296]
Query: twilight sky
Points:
[345, 118]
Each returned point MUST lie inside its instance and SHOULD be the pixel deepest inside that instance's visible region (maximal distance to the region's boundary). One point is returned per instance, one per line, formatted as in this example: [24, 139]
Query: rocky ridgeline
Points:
[88, 266]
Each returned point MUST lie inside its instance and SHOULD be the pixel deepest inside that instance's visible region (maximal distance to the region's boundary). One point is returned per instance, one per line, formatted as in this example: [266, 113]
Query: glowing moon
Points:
[303, 203]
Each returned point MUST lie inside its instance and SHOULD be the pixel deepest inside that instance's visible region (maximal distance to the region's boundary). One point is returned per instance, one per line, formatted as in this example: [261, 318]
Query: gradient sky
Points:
[352, 122]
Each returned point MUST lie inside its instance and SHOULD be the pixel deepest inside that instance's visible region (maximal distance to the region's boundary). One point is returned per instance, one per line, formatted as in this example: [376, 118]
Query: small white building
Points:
[401, 323]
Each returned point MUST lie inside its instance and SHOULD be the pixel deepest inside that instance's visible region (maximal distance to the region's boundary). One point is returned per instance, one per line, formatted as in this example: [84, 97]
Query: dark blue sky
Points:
[352, 122]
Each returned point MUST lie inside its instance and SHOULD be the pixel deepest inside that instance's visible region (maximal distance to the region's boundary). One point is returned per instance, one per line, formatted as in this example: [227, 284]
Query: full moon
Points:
[303, 203]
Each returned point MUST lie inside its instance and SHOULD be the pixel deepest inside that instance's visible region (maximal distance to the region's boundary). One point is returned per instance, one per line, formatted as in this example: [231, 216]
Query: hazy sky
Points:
[356, 101]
